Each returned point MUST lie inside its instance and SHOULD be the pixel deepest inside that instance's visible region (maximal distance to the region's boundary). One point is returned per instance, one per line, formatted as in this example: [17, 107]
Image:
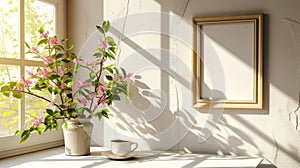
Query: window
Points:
[19, 22]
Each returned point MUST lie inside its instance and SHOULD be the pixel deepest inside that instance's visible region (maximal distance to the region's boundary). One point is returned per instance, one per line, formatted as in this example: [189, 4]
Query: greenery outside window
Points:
[19, 22]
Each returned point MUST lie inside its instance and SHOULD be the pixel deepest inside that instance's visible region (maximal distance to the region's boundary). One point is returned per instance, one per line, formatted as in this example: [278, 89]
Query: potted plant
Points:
[72, 99]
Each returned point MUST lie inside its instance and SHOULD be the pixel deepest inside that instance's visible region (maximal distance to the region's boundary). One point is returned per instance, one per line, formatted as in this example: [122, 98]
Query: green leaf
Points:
[109, 101]
[66, 60]
[27, 45]
[50, 112]
[69, 74]
[73, 55]
[60, 55]
[41, 30]
[92, 74]
[69, 83]
[18, 132]
[77, 66]
[104, 113]
[100, 29]
[5, 88]
[117, 71]
[39, 130]
[43, 41]
[99, 116]
[17, 94]
[109, 70]
[60, 47]
[54, 76]
[70, 47]
[50, 89]
[112, 49]
[97, 54]
[110, 55]
[7, 94]
[108, 77]
[12, 84]
[122, 90]
[106, 26]
[25, 135]
[124, 72]
[111, 41]
[62, 106]
[64, 40]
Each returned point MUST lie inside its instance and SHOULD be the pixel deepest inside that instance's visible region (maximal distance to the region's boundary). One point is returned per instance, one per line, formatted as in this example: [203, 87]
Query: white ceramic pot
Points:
[77, 136]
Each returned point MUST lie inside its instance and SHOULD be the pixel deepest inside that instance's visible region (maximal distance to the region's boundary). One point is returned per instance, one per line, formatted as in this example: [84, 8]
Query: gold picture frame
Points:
[228, 62]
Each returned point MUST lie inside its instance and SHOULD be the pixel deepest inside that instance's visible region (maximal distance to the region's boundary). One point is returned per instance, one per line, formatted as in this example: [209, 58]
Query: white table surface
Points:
[56, 158]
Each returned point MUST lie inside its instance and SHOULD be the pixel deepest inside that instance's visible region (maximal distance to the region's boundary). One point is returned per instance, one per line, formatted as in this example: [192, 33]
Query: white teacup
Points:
[122, 147]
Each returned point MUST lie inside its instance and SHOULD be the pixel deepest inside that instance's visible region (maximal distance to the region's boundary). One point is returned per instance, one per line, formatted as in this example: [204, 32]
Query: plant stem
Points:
[40, 97]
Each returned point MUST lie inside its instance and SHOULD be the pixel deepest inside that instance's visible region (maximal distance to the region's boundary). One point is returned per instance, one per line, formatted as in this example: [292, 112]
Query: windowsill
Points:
[55, 157]
[10, 146]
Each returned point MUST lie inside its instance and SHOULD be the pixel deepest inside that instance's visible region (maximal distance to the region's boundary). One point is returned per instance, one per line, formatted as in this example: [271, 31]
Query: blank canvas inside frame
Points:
[229, 69]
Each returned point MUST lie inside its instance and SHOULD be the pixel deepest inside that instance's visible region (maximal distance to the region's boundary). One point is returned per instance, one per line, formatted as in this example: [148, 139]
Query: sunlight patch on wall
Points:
[294, 105]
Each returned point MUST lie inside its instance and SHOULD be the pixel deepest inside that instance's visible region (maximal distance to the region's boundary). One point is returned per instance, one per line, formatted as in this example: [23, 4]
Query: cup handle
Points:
[136, 146]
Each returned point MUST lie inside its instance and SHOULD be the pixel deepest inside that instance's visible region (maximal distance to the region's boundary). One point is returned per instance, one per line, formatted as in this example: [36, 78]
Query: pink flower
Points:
[36, 50]
[88, 84]
[115, 77]
[84, 84]
[48, 60]
[63, 86]
[103, 60]
[44, 72]
[62, 72]
[92, 62]
[53, 41]
[83, 101]
[38, 122]
[129, 75]
[103, 44]
[101, 88]
[80, 84]
[102, 101]
[93, 95]
[26, 83]
[75, 61]
[31, 74]
[45, 34]
[19, 88]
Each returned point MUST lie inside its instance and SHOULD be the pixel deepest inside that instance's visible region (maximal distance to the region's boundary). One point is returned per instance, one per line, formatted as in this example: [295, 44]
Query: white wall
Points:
[267, 133]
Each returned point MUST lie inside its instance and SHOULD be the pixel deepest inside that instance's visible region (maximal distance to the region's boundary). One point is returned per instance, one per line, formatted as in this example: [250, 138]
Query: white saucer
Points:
[112, 156]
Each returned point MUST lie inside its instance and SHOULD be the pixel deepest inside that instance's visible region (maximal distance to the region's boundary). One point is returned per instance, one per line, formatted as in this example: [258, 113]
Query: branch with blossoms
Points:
[105, 84]
[53, 78]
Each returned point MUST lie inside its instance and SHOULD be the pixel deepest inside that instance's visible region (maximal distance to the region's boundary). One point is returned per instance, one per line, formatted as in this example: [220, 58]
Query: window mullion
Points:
[22, 57]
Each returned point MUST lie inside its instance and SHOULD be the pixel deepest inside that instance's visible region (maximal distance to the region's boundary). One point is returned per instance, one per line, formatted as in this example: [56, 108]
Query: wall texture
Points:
[156, 48]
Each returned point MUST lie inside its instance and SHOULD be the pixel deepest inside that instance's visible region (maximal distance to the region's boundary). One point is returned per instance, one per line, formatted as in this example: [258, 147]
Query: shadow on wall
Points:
[226, 145]
[266, 166]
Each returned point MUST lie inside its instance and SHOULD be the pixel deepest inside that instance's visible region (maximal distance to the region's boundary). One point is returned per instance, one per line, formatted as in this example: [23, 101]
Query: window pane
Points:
[38, 13]
[9, 108]
[9, 29]
[35, 107]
